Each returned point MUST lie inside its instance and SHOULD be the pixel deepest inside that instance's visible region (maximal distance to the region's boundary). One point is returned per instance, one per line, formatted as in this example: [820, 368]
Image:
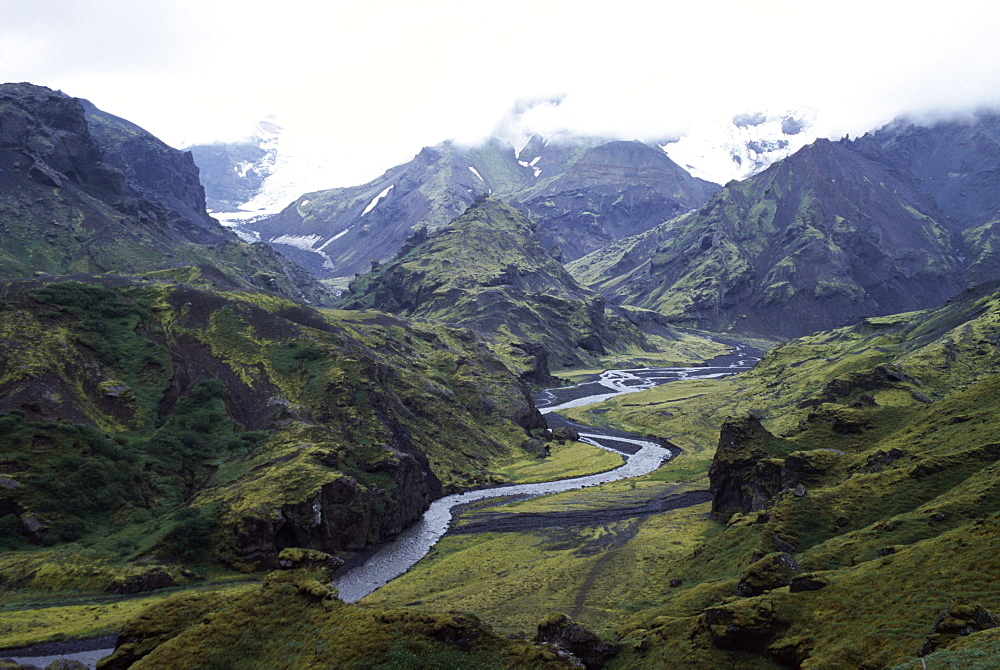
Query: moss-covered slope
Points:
[857, 499]
[819, 240]
[84, 191]
[293, 620]
[158, 421]
[487, 270]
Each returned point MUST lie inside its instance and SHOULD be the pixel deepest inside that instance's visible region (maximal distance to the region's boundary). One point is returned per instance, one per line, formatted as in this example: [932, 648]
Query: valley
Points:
[555, 403]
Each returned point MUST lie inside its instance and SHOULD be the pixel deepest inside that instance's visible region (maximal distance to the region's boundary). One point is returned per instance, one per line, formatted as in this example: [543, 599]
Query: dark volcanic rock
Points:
[742, 477]
[751, 469]
[770, 572]
[337, 517]
[147, 579]
[592, 650]
[957, 620]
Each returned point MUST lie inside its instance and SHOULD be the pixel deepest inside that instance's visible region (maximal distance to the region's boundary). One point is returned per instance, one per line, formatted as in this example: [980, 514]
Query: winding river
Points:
[641, 457]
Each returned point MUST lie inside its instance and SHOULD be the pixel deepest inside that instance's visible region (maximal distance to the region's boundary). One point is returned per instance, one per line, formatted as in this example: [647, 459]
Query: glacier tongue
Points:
[723, 150]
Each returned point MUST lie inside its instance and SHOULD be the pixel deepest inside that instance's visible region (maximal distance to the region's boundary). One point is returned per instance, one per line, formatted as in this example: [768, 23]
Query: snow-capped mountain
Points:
[737, 148]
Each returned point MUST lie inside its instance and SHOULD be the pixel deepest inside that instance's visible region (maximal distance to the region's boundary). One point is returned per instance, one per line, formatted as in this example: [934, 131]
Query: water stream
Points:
[641, 457]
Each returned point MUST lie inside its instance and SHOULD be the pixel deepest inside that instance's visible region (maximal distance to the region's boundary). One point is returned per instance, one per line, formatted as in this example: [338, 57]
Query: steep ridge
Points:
[85, 191]
[487, 270]
[583, 193]
[156, 422]
[820, 239]
[613, 191]
[954, 161]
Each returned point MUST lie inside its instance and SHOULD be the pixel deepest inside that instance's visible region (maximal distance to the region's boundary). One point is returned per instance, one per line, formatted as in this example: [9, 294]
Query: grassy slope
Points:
[894, 544]
[315, 631]
[185, 414]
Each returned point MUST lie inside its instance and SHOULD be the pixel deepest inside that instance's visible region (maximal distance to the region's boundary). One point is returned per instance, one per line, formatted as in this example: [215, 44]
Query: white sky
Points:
[369, 83]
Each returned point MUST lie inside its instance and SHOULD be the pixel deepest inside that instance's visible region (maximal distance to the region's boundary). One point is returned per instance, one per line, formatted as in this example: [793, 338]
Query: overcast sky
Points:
[372, 82]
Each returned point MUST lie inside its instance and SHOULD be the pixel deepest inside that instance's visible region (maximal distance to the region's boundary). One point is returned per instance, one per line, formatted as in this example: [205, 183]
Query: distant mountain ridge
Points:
[583, 194]
[899, 219]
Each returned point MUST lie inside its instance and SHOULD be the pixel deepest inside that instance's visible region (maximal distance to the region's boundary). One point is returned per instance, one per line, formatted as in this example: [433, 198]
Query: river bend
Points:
[642, 456]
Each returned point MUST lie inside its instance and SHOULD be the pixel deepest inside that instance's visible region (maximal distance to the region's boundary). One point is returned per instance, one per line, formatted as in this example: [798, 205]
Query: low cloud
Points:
[369, 84]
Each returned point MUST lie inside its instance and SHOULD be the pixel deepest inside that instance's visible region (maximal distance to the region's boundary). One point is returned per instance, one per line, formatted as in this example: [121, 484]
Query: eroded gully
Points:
[641, 457]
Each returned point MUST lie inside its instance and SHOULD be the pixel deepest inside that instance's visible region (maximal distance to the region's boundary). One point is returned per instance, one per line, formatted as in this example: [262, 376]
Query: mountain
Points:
[835, 232]
[956, 161]
[234, 173]
[612, 191]
[85, 191]
[163, 424]
[488, 271]
[584, 194]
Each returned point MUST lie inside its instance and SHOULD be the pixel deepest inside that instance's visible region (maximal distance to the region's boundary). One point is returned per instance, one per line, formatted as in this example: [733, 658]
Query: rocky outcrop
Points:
[743, 477]
[592, 650]
[338, 516]
[955, 621]
[770, 572]
[140, 580]
[751, 468]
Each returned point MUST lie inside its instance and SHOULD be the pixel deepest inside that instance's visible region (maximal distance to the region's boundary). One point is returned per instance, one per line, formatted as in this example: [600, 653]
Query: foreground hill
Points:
[488, 271]
[583, 193]
[156, 424]
[821, 239]
[82, 190]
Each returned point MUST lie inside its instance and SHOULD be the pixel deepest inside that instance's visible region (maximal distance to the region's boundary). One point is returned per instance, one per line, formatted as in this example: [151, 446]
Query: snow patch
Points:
[335, 237]
[376, 199]
[476, 172]
[304, 203]
[304, 242]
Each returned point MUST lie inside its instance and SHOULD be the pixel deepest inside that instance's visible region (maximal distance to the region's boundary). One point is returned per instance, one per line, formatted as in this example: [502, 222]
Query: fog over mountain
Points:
[367, 92]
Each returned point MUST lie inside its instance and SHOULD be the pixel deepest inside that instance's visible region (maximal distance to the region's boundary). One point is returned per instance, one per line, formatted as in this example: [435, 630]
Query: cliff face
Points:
[84, 191]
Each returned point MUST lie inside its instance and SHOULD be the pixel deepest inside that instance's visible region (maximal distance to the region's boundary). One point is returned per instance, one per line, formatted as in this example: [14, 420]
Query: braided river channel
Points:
[641, 457]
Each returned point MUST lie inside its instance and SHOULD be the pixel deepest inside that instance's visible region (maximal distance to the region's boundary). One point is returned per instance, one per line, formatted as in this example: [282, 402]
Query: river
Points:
[641, 457]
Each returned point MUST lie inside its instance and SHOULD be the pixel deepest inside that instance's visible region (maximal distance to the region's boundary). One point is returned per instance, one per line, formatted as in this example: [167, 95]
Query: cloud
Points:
[370, 83]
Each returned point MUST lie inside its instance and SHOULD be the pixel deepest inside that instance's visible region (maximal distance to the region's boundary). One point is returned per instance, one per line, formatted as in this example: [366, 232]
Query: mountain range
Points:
[583, 194]
[179, 406]
[896, 220]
